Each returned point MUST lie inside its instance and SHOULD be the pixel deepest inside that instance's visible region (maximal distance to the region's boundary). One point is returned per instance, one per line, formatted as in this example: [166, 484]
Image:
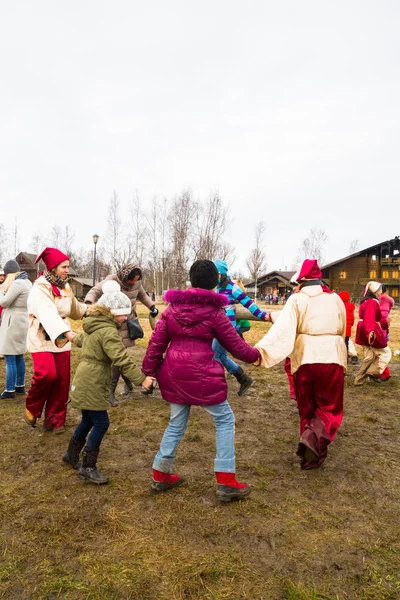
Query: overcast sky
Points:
[290, 109]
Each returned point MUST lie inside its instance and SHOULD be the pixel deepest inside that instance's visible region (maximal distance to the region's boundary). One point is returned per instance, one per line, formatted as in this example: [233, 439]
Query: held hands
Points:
[69, 335]
[267, 317]
[153, 311]
[148, 383]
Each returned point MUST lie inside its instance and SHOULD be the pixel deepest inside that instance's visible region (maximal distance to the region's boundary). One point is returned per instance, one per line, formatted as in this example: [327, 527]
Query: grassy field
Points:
[332, 533]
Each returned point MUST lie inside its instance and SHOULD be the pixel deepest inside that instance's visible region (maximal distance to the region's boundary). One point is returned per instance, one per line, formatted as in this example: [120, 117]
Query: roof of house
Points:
[284, 276]
[27, 258]
[83, 280]
[396, 240]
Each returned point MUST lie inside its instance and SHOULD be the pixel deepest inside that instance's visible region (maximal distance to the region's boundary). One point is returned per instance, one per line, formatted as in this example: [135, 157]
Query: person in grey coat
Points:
[14, 327]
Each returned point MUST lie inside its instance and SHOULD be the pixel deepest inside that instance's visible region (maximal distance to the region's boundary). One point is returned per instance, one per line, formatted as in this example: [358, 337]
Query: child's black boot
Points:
[244, 380]
[71, 456]
[88, 471]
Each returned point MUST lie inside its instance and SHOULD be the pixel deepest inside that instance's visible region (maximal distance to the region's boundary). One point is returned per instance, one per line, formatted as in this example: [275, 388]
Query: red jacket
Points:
[189, 373]
[371, 321]
[349, 306]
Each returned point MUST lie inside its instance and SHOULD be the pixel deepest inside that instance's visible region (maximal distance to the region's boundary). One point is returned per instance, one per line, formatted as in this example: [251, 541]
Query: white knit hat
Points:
[114, 299]
[372, 286]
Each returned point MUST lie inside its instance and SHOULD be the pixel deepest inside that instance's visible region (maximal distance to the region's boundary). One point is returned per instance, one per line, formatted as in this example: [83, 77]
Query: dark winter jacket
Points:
[189, 374]
[102, 346]
[349, 306]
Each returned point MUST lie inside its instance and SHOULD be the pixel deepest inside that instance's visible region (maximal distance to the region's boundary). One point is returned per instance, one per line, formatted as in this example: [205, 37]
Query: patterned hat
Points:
[114, 299]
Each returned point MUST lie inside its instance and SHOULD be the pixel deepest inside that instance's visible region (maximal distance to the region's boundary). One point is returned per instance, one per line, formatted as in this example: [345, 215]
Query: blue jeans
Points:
[224, 421]
[15, 371]
[95, 421]
[221, 355]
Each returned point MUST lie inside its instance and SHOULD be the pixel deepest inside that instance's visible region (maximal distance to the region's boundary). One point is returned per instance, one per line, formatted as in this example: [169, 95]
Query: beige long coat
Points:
[49, 314]
[15, 321]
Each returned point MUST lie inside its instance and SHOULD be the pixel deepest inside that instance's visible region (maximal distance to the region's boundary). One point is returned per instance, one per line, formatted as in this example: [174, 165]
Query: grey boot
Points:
[88, 471]
[71, 456]
[244, 380]
[128, 387]
[115, 372]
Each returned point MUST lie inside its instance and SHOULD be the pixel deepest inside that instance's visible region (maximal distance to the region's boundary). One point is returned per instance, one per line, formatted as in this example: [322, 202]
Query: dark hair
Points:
[134, 274]
[384, 288]
[203, 274]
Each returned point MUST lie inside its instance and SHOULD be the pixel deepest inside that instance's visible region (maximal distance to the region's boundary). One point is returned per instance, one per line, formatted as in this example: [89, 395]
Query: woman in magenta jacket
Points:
[371, 336]
[189, 374]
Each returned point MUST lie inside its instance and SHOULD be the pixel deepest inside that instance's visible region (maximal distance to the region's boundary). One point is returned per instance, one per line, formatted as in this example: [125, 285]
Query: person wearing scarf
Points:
[14, 327]
[50, 303]
[371, 335]
[129, 277]
[311, 331]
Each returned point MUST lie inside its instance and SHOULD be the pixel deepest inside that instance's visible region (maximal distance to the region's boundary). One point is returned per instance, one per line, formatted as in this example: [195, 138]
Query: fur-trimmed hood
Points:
[98, 317]
[195, 296]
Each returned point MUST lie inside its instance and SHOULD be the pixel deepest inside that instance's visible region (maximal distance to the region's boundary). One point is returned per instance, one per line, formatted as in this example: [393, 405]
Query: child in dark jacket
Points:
[190, 374]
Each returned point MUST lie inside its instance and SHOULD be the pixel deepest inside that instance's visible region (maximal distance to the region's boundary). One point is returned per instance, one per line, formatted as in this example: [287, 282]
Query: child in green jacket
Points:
[102, 347]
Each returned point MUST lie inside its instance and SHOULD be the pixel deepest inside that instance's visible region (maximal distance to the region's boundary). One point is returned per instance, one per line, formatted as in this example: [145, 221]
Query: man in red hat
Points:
[50, 303]
[311, 331]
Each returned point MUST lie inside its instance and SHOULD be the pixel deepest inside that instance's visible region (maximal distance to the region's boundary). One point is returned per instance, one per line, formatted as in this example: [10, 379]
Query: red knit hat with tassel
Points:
[52, 257]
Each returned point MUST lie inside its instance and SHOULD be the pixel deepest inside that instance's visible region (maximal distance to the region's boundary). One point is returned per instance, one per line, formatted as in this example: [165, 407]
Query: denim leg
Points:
[20, 362]
[84, 427]
[221, 355]
[11, 372]
[101, 423]
[177, 425]
[224, 421]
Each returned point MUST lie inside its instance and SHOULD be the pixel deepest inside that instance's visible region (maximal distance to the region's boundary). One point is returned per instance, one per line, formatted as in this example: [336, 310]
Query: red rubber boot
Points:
[229, 488]
[385, 375]
[165, 481]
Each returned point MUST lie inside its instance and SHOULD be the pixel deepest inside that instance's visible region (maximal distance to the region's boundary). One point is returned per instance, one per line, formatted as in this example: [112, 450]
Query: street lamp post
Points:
[95, 240]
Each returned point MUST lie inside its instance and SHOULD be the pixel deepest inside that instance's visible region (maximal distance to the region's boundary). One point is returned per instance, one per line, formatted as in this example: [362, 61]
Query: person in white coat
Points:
[14, 327]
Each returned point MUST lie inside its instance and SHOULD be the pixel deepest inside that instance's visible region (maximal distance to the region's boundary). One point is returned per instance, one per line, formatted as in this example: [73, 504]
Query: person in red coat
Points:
[350, 308]
[190, 375]
[371, 336]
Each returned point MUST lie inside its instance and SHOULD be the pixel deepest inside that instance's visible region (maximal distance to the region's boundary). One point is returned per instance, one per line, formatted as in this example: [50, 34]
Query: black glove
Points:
[153, 311]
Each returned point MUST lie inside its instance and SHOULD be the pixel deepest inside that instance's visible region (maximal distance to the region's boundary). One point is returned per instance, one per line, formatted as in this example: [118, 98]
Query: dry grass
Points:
[332, 533]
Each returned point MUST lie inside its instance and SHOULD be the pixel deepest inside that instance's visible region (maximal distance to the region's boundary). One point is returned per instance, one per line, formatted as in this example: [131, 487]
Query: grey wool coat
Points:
[15, 319]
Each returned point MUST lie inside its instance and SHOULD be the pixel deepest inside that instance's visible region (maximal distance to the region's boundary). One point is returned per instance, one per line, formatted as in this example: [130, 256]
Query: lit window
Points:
[372, 274]
[343, 275]
[385, 274]
[395, 274]
[395, 292]
[374, 257]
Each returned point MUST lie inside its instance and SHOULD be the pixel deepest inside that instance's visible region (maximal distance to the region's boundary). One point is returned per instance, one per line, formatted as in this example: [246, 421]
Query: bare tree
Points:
[181, 218]
[212, 224]
[114, 232]
[154, 246]
[137, 234]
[354, 246]
[4, 244]
[165, 254]
[15, 236]
[55, 236]
[313, 245]
[256, 262]
[226, 252]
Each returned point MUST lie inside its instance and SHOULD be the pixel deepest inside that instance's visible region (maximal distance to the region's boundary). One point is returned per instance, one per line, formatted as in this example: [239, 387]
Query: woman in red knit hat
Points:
[50, 303]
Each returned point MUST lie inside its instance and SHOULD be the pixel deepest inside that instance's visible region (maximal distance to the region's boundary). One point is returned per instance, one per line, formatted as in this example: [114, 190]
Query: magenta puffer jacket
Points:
[189, 373]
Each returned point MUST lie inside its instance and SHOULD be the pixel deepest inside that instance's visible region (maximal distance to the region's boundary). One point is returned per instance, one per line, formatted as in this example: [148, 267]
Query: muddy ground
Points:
[331, 533]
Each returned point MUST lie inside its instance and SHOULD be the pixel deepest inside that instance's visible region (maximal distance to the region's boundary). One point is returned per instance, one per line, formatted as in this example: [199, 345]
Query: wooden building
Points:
[80, 286]
[274, 282]
[379, 263]
[26, 261]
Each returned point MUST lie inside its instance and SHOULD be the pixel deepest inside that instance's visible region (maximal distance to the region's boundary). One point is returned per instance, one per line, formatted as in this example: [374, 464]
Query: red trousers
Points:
[288, 371]
[319, 392]
[50, 387]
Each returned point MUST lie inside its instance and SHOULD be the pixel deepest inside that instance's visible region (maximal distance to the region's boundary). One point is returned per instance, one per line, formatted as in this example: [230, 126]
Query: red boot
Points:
[385, 375]
[165, 481]
[229, 489]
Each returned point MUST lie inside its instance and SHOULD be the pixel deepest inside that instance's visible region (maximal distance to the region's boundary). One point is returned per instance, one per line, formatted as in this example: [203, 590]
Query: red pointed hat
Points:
[51, 257]
[309, 270]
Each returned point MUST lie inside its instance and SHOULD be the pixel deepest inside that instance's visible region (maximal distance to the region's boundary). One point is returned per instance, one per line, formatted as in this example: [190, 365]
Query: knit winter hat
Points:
[52, 257]
[222, 266]
[114, 299]
[372, 286]
[11, 266]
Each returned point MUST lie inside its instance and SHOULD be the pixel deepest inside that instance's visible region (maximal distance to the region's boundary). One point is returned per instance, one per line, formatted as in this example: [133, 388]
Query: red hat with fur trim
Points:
[52, 257]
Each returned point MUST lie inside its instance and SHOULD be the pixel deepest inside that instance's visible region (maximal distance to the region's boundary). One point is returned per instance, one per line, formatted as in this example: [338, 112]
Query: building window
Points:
[395, 274]
[385, 274]
[374, 258]
[343, 275]
[372, 274]
[395, 292]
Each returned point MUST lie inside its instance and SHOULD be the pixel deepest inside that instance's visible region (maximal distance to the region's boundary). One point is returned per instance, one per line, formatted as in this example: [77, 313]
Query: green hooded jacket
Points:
[102, 346]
